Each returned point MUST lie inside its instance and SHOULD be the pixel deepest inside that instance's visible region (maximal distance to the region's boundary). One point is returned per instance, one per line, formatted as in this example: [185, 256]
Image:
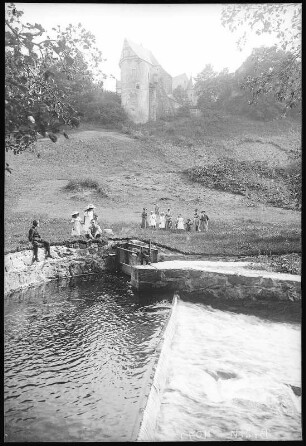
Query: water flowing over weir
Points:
[77, 356]
[231, 376]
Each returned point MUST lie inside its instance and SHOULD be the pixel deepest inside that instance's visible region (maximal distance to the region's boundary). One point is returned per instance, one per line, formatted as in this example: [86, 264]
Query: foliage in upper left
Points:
[35, 103]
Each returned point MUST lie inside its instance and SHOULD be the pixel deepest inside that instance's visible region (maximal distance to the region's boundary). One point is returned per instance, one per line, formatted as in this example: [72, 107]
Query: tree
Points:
[213, 89]
[35, 99]
[256, 77]
[283, 20]
[102, 107]
[180, 95]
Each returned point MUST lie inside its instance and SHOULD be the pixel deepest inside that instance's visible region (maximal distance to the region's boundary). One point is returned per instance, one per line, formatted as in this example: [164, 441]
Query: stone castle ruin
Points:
[146, 89]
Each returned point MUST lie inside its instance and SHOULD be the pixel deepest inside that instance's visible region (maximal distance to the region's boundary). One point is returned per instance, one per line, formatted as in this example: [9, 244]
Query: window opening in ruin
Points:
[137, 86]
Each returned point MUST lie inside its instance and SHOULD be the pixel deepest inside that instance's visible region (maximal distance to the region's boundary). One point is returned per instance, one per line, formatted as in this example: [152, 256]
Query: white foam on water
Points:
[230, 377]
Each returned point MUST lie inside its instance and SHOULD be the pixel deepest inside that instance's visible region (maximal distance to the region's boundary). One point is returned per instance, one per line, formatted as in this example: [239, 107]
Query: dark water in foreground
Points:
[77, 358]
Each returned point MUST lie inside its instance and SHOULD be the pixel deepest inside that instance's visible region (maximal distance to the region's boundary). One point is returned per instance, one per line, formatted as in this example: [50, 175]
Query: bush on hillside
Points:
[293, 176]
[86, 184]
[253, 179]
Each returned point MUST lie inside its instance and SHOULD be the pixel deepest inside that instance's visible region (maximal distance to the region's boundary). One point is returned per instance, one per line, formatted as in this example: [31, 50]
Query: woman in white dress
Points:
[180, 222]
[88, 216]
[162, 222]
[152, 220]
[77, 224]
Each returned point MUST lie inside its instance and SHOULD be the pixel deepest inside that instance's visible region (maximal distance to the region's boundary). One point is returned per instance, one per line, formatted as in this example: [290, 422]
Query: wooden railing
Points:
[131, 253]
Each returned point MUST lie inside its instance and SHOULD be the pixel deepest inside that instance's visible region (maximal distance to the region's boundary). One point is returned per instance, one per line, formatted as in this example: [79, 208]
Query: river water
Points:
[232, 375]
[76, 359]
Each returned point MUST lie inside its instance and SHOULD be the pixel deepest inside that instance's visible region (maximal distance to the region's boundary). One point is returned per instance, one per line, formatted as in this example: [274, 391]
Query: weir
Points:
[227, 280]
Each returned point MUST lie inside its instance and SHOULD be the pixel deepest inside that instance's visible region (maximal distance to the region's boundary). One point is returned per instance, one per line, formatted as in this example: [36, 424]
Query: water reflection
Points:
[76, 359]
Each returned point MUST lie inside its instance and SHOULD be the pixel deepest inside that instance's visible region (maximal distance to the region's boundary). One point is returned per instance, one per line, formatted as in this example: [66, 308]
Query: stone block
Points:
[235, 279]
[146, 286]
[195, 274]
[175, 273]
[176, 284]
[267, 282]
[263, 294]
[148, 275]
[214, 280]
[196, 284]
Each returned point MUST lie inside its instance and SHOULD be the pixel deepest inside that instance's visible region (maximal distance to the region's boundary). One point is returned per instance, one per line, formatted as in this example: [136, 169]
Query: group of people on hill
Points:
[89, 227]
[165, 220]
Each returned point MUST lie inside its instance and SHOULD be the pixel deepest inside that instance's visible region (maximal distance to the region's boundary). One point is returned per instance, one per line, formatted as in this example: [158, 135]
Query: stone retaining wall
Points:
[225, 280]
[20, 271]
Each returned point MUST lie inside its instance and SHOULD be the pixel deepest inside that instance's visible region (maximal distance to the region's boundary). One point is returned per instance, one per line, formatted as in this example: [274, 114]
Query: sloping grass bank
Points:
[222, 239]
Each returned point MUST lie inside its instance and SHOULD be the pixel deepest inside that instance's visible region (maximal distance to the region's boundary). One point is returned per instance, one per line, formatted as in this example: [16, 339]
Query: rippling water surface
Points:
[232, 376]
[76, 359]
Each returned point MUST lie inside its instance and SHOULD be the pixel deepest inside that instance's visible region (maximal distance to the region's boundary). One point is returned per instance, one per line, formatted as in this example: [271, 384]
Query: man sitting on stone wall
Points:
[37, 241]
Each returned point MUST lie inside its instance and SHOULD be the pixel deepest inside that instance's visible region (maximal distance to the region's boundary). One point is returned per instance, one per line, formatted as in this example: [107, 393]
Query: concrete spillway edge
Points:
[151, 410]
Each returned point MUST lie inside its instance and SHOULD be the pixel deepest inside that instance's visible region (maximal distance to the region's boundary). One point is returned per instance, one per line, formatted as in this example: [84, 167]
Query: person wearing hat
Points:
[77, 224]
[204, 221]
[37, 241]
[88, 216]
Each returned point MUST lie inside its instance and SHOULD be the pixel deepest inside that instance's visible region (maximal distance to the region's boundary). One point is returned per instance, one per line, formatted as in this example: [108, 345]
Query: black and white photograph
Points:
[152, 222]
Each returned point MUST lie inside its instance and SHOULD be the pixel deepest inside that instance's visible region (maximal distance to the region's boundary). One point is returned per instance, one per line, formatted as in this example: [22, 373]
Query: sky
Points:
[182, 37]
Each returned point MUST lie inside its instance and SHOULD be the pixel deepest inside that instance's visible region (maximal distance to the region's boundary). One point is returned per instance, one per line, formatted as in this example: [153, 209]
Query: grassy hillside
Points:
[147, 165]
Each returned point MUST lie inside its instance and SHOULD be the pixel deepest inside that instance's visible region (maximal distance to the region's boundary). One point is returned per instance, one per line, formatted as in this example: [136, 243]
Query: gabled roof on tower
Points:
[141, 52]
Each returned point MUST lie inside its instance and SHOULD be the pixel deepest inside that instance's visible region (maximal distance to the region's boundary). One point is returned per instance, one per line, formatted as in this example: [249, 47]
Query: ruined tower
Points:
[137, 72]
[145, 87]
